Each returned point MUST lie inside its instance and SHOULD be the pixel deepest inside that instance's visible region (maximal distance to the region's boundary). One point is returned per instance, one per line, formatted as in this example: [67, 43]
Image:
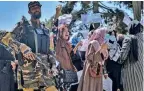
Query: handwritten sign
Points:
[126, 20]
[91, 18]
[65, 19]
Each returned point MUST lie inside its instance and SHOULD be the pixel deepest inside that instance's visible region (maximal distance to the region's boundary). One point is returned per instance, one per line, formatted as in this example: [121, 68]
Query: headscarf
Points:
[99, 35]
[135, 27]
[93, 47]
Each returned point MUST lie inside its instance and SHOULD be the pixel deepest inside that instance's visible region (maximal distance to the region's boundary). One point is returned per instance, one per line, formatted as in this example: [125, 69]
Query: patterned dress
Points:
[132, 72]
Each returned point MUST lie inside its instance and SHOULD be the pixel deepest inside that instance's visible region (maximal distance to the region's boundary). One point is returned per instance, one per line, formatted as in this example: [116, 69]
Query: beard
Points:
[36, 15]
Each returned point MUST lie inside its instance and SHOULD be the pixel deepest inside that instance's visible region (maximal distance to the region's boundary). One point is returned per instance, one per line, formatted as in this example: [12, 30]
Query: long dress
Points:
[132, 72]
[88, 83]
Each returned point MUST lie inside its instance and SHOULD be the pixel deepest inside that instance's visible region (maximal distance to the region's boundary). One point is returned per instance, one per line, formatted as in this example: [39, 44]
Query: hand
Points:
[58, 9]
[74, 51]
[75, 69]
[16, 61]
[80, 43]
[118, 89]
[13, 64]
[29, 55]
[54, 71]
[105, 76]
[26, 51]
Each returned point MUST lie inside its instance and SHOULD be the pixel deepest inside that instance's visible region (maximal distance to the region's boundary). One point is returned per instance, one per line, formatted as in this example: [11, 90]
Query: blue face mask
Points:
[112, 38]
[79, 38]
[106, 38]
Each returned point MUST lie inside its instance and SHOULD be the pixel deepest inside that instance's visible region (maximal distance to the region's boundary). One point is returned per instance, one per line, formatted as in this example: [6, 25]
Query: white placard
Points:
[126, 20]
[91, 18]
[65, 19]
[95, 18]
[142, 21]
[84, 18]
[107, 84]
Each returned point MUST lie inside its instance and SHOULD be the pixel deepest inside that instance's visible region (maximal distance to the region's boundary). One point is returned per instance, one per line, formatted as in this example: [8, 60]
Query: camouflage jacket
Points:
[31, 73]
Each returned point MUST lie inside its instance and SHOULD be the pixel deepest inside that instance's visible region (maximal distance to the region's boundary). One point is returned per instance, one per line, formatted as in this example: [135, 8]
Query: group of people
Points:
[27, 63]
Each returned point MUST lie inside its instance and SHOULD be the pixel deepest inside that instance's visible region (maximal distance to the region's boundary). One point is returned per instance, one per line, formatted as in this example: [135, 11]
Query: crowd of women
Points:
[104, 54]
[118, 57]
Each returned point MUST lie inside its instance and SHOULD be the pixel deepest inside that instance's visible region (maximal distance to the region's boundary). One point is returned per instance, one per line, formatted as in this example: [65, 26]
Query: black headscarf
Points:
[91, 27]
[134, 29]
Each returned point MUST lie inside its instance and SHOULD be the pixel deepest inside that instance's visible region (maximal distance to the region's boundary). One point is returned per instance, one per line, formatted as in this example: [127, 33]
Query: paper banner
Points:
[95, 18]
[91, 18]
[126, 20]
[65, 19]
[142, 21]
[84, 18]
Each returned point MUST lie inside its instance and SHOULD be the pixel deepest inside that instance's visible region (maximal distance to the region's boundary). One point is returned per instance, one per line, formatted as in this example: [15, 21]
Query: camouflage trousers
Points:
[33, 74]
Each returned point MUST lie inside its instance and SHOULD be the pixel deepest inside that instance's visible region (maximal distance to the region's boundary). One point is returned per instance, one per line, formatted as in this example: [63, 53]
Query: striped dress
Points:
[132, 73]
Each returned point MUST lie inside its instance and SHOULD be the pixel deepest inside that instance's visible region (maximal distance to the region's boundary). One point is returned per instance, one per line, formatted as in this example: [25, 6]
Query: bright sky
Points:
[11, 12]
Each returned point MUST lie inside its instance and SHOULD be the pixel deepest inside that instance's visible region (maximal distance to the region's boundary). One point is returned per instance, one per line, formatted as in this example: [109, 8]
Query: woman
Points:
[113, 67]
[132, 58]
[84, 46]
[64, 48]
[93, 56]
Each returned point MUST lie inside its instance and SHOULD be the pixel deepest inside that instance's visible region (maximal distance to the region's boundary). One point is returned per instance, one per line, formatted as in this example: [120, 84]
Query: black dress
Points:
[6, 72]
[114, 71]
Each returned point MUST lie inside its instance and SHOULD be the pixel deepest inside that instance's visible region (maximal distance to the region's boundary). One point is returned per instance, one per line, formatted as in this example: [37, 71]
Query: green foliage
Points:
[68, 8]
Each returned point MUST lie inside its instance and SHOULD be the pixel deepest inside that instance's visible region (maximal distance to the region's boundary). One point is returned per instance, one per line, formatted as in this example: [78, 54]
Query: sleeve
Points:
[58, 52]
[90, 54]
[125, 49]
[17, 32]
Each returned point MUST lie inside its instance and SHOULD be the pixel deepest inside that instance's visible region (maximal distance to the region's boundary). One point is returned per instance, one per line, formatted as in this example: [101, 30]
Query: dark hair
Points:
[91, 27]
[34, 3]
[135, 28]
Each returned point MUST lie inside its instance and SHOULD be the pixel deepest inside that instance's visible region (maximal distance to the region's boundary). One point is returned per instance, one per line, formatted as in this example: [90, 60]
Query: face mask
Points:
[80, 38]
[112, 38]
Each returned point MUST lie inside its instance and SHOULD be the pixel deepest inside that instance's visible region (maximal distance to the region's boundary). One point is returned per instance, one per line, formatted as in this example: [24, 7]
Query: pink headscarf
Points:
[99, 35]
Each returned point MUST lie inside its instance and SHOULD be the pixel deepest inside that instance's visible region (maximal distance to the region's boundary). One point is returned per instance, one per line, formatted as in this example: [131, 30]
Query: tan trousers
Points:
[51, 88]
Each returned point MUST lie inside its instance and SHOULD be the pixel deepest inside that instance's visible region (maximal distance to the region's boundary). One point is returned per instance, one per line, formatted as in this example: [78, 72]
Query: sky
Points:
[11, 12]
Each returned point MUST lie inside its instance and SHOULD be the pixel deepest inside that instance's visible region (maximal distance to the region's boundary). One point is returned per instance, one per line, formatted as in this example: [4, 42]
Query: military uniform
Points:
[34, 73]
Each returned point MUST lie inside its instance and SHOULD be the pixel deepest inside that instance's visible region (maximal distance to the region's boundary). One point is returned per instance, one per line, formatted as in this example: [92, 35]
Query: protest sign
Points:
[65, 19]
[91, 18]
[126, 20]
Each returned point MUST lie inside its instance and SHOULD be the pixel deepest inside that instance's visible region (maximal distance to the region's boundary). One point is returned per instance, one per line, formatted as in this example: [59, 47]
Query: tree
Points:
[94, 6]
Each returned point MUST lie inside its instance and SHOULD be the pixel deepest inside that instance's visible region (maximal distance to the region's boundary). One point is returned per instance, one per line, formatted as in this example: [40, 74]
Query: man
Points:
[32, 73]
[7, 65]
